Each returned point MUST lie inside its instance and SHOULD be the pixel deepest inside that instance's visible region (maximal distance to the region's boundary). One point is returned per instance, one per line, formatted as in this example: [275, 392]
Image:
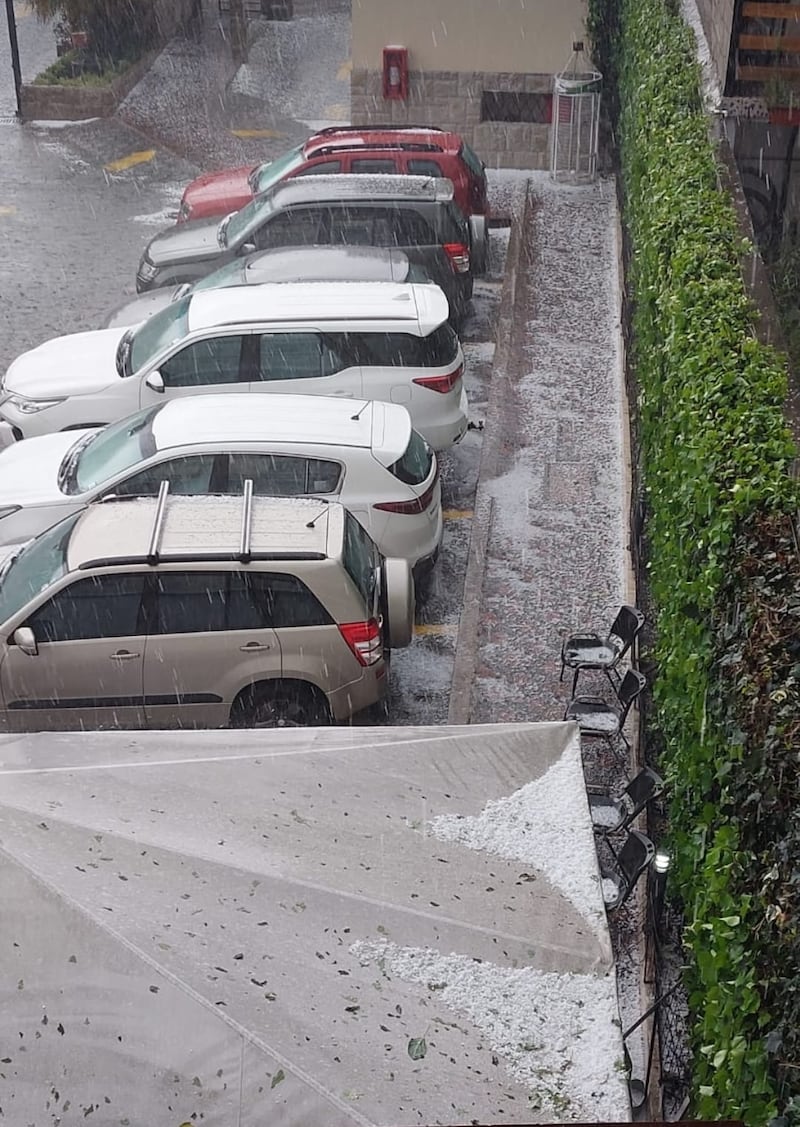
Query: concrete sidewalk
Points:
[549, 550]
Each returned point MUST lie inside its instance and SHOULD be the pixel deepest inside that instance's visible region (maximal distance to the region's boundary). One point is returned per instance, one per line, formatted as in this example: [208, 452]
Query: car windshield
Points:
[235, 229]
[111, 451]
[268, 174]
[232, 274]
[39, 564]
[157, 333]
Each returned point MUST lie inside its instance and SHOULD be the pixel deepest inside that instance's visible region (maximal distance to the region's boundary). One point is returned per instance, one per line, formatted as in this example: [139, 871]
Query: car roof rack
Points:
[377, 146]
[158, 523]
[378, 128]
[244, 555]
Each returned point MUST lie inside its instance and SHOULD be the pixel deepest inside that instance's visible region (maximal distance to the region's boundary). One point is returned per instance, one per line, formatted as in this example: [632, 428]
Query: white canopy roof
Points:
[259, 928]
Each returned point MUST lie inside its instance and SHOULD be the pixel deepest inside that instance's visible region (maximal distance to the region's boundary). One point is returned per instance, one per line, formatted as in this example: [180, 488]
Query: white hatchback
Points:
[364, 454]
[380, 340]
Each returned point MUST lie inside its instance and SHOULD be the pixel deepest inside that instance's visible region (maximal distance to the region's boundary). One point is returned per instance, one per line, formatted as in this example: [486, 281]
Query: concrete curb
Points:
[466, 657]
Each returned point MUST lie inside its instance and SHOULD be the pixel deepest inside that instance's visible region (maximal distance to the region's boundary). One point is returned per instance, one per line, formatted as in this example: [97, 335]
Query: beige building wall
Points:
[524, 36]
[458, 52]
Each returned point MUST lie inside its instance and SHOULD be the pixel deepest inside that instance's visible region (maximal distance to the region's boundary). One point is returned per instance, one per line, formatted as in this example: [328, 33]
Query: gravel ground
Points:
[557, 542]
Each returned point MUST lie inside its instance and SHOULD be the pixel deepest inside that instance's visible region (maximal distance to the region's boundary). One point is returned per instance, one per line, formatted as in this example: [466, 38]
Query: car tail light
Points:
[458, 253]
[414, 507]
[442, 384]
[364, 639]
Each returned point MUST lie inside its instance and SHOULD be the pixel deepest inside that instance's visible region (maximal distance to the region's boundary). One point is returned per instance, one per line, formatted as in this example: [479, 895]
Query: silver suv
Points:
[198, 612]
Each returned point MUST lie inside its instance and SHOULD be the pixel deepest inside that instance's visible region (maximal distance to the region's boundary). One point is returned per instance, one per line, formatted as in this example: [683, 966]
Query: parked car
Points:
[412, 213]
[283, 264]
[355, 340]
[355, 149]
[365, 455]
[198, 612]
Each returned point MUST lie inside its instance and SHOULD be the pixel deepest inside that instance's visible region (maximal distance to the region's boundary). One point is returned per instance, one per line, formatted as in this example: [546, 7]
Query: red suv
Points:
[412, 150]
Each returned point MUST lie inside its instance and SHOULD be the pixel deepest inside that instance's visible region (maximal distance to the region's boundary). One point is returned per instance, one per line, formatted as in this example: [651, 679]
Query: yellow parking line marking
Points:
[7, 209]
[337, 112]
[130, 160]
[435, 629]
[258, 134]
[457, 514]
[344, 71]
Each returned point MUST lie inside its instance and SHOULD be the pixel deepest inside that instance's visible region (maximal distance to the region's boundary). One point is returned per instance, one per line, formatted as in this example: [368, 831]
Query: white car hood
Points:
[78, 364]
[29, 469]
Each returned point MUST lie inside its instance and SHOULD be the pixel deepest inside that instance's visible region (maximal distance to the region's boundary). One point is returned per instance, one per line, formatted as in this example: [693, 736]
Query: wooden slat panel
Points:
[764, 74]
[786, 44]
[756, 11]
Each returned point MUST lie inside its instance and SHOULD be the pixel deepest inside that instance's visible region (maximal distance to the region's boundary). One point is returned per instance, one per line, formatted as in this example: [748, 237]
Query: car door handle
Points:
[343, 394]
[123, 655]
[255, 647]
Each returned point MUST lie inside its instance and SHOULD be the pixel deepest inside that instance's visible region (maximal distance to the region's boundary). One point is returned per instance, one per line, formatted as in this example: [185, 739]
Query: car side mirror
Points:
[155, 381]
[247, 248]
[25, 638]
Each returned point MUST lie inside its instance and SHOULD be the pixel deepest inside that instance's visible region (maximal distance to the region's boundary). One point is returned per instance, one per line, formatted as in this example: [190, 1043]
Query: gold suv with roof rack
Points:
[198, 612]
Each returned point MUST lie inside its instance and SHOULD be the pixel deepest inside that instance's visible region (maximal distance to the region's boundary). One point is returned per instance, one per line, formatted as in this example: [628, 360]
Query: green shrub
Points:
[717, 454]
[62, 72]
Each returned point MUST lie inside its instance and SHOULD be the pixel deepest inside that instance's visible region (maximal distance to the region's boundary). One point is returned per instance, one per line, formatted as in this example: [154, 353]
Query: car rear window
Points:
[415, 465]
[373, 164]
[452, 224]
[360, 560]
[471, 160]
[402, 350]
[419, 167]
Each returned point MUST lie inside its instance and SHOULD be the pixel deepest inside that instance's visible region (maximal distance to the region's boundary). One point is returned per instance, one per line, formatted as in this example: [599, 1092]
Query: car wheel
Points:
[285, 704]
[398, 603]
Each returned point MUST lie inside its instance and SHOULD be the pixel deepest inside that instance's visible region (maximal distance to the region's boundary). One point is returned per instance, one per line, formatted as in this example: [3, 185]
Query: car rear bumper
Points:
[443, 433]
[370, 688]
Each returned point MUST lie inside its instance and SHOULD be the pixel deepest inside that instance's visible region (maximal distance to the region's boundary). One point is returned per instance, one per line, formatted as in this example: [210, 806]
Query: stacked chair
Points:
[601, 718]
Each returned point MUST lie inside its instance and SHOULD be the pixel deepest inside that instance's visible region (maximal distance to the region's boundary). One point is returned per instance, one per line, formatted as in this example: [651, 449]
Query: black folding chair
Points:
[614, 814]
[633, 858]
[592, 651]
[606, 719]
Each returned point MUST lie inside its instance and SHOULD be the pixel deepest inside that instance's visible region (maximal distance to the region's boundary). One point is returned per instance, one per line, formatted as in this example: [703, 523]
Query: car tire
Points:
[281, 704]
[397, 596]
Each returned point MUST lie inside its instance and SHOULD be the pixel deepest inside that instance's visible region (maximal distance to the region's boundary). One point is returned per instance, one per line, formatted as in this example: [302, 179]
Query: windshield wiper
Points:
[8, 561]
[67, 471]
[222, 230]
[124, 353]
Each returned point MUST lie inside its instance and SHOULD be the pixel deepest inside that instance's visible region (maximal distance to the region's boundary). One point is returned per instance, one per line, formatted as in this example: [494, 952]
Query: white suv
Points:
[364, 454]
[356, 340]
[198, 612]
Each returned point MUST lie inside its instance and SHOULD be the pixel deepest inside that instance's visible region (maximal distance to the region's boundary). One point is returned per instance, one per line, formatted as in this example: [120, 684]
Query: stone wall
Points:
[453, 101]
[76, 103]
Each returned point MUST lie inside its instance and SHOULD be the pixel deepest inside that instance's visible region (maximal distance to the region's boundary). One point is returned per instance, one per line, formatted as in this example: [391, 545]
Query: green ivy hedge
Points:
[717, 455]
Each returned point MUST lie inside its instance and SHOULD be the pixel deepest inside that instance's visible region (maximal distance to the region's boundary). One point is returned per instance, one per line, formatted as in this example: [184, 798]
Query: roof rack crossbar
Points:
[377, 128]
[371, 147]
[158, 523]
[196, 558]
[247, 522]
